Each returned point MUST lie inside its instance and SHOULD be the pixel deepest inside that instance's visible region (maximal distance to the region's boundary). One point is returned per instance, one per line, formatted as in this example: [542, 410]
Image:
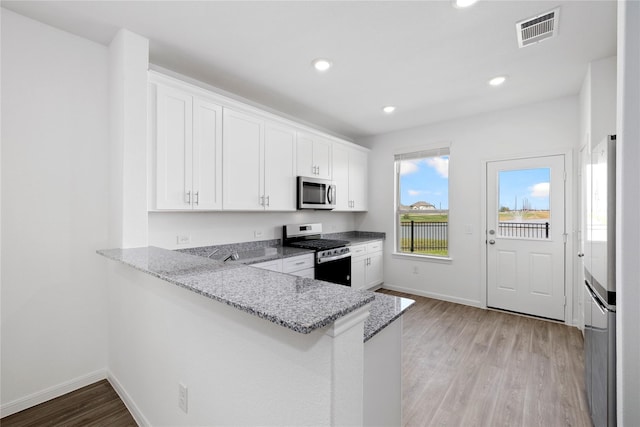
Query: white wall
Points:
[628, 213]
[532, 129]
[54, 210]
[239, 369]
[215, 228]
[128, 65]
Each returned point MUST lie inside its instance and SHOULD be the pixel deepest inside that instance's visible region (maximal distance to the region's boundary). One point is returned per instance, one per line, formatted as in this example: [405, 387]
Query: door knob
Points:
[580, 255]
[492, 242]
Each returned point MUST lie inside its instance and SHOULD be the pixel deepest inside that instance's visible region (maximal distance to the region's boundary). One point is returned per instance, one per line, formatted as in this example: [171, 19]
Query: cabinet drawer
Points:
[289, 265]
[374, 246]
[275, 265]
[358, 250]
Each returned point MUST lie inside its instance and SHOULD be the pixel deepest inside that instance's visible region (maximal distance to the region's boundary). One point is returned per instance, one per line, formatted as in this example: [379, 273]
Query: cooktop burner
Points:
[319, 244]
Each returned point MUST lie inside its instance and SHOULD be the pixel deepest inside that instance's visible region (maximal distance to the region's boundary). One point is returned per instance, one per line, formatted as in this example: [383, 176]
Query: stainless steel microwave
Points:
[314, 193]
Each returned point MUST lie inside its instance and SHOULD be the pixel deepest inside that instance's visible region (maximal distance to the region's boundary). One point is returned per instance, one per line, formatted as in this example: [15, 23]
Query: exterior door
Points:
[526, 236]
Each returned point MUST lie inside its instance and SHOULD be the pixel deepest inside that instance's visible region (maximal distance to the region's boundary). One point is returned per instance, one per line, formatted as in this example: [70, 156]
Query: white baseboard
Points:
[51, 393]
[433, 295]
[128, 401]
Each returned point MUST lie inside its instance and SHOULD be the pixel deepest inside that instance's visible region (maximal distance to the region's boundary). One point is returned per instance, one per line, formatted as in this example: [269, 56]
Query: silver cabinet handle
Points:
[492, 242]
[196, 196]
[188, 201]
[261, 202]
[318, 169]
[268, 200]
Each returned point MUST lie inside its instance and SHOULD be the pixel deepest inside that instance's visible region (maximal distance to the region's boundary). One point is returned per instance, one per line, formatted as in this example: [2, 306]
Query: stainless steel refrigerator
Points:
[600, 283]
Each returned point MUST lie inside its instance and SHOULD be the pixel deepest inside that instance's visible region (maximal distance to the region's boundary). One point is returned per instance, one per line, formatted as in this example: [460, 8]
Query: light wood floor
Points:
[465, 366]
[94, 405]
[462, 367]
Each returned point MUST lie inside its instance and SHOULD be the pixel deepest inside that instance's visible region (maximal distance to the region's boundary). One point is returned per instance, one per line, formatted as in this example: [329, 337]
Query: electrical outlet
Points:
[182, 397]
[257, 234]
[415, 269]
[183, 239]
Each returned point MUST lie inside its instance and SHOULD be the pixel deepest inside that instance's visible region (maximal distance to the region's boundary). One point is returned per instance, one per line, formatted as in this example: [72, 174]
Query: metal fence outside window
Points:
[529, 230]
[433, 236]
[423, 236]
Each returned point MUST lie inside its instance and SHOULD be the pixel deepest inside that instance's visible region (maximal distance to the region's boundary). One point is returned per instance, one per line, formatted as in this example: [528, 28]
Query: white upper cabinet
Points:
[358, 179]
[350, 166]
[207, 155]
[188, 151]
[314, 156]
[259, 158]
[243, 139]
[341, 176]
[279, 167]
[210, 152]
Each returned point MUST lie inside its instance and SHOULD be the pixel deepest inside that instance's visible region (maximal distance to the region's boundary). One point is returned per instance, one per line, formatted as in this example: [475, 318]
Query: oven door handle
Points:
[334, 258]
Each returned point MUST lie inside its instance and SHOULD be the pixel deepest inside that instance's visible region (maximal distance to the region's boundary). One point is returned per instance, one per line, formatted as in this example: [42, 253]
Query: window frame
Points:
[414, 154]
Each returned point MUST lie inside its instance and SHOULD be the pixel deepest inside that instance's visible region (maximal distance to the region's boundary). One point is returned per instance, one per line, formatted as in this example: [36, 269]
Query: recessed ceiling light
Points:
[389, 109]
[321, 64]
[460, 4]
[497, 81]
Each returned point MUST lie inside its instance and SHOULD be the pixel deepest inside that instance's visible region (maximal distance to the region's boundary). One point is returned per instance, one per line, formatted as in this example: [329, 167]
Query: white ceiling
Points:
[428, 58]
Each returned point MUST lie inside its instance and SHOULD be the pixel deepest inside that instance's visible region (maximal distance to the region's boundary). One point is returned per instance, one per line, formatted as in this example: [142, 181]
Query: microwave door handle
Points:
[329, 195]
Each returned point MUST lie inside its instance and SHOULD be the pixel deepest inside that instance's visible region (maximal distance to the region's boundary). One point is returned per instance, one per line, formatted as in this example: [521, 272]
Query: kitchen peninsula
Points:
[271, 349]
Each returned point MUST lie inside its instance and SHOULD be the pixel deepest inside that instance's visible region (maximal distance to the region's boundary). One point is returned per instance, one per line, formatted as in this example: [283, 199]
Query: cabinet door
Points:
[174, 127]
[309, 273]
[207, 155]
[279, 168]
[358, 277]
[322, 157]
[341, 176]
[243, 171]
[297, 263]
[374, 270]
[304, 155]
[358, 168]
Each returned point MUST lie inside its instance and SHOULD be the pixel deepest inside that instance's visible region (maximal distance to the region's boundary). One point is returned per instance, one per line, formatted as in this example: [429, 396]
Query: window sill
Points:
[428, 258]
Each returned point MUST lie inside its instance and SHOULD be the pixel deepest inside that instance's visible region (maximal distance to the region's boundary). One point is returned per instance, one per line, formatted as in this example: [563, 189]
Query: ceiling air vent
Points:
[541, 27]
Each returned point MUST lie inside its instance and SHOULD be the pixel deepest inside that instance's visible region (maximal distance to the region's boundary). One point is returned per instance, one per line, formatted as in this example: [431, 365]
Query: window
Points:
[523, 211]
[422, 203]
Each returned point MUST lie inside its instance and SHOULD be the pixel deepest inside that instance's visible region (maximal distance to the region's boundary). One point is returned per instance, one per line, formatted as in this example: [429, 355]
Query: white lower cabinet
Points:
[302, 265]
[366, 265]
[275, 265]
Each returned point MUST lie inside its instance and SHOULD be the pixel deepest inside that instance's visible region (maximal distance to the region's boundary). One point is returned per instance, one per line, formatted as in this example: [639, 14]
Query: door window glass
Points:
[523, 206]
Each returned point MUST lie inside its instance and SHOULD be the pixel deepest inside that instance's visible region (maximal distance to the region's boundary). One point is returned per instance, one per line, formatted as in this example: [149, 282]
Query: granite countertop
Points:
[356, 237]
[250, 253]
[297, 303]
[269, 250]
[384, 310]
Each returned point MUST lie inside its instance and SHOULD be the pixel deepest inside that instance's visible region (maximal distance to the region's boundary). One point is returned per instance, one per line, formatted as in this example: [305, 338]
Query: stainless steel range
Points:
[332, 257]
